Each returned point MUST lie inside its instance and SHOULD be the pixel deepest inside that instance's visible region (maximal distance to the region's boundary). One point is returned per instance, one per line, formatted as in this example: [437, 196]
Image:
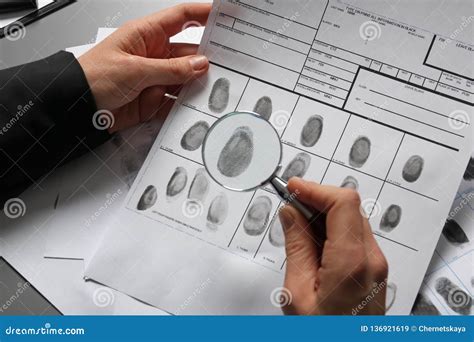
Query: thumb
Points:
[174, 70]
[301, 250]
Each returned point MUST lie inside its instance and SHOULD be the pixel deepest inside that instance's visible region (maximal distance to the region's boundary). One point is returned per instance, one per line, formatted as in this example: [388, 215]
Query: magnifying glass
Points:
[242, 151]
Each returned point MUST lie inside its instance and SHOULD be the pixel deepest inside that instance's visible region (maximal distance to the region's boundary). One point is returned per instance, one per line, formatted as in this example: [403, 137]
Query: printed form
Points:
[359, 100]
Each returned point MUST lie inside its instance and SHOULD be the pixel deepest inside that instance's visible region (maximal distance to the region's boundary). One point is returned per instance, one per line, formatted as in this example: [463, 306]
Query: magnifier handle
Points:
[315, 218]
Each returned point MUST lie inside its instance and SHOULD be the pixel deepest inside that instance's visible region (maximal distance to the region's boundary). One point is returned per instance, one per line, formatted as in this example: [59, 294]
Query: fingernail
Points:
[198, 62]
[286, 218]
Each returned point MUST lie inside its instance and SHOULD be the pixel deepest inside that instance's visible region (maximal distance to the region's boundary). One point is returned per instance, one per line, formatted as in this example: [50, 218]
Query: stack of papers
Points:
[94, 200]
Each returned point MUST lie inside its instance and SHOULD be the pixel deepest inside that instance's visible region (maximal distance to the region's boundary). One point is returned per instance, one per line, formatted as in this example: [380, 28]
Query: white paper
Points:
[453, 259]
[365, 75]
[78, 51]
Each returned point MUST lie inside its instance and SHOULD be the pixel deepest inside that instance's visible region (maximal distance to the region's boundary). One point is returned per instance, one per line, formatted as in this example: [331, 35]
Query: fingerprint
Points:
[350, 183]
[453, 232]
[194, 136]
[458, 300]
[276, 235]
[257, 216]
[424, 307]
[217, 212]
[391, 295]
[412, 169]
[469, 173]
[264, 107]
[237, 153]
[297, 167]
[391, 218]
[360, 152]
[199, 186]
[311, 131]
[219, 97]
[177, 182]
[148, 198]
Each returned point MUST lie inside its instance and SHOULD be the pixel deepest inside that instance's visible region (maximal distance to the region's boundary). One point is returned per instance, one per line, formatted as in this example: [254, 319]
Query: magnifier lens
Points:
[241, 151]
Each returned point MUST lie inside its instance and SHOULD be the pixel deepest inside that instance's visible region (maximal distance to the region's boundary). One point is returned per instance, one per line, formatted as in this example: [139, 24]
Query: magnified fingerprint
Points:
[458, 300]
[199, 186]
[424, 307]
[453, 232]
[311, 131]
[276, 235]
[237, 153]
[297, 167]
[217, 212]
[350, 183]
[469, 173]
[194, 136]
[412, 169]
[257, 216]
[391, 295]
[391, 218]
[148, 198]
[264, 107]
[219, 97]
[360, 152]
[177, 182]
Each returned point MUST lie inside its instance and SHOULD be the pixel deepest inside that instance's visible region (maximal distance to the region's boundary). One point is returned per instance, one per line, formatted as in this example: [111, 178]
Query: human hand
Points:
[346, 274]
[131, 70]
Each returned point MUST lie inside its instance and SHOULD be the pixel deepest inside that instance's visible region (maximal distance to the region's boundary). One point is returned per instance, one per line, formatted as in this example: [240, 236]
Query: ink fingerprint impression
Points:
[241, 151]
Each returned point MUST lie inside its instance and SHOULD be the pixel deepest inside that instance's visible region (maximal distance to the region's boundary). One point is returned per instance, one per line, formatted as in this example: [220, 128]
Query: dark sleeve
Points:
[46, 111]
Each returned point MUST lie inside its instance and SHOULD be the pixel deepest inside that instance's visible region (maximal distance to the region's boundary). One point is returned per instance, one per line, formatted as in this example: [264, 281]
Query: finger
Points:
[320, 197]
[182, 49]
[174, 70]
[174, 89]
[151, 101]
[301, 253]
[342, 206]
[174, 19]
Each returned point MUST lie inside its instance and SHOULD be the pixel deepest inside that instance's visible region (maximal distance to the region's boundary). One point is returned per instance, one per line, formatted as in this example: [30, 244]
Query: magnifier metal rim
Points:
[212, 128]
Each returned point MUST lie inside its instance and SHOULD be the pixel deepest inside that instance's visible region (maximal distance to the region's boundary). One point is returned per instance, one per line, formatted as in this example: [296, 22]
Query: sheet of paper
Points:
[78, 51]
[373, 83]
[452, 266]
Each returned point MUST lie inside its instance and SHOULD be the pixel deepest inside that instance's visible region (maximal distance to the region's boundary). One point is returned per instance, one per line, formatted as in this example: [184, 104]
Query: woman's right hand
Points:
[347, 273]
